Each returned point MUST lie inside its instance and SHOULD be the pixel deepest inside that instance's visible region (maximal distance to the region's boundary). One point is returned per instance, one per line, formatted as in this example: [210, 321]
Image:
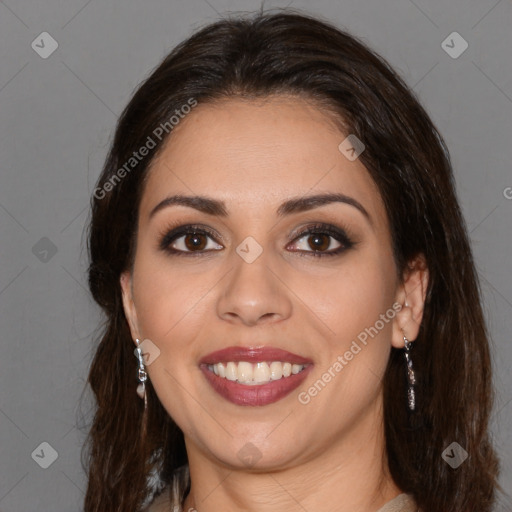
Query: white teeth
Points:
[259, 373]
[244, 372]
[276, 370]
[231, 371]
[296, 368]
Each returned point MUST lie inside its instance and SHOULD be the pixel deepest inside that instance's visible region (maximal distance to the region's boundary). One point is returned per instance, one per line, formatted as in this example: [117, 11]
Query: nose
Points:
[253, 294]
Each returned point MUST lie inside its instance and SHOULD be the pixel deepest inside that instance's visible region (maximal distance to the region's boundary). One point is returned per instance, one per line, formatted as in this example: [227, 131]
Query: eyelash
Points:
[168, 237]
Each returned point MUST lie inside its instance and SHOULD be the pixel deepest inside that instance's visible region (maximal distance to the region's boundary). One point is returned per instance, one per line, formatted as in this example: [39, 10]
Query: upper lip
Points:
[254, 355]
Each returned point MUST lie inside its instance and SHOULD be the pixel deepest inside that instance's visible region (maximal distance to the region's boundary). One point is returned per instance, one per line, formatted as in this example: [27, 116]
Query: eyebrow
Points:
[218, 208]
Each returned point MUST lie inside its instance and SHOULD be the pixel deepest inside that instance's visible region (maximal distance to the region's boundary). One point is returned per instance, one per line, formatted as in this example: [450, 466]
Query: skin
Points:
[328, 454]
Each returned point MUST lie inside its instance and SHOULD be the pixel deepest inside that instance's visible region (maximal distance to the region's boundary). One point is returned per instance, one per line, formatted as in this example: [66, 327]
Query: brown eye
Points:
[195, 241]
[321, 240]
[189, 239]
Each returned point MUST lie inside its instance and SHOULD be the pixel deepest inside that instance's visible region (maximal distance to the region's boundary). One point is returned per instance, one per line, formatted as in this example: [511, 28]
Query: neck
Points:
[350, 474]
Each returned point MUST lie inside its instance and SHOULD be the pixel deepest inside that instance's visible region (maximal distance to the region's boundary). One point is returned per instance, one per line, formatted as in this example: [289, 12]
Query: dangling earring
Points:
[141, 374]
[411, 378]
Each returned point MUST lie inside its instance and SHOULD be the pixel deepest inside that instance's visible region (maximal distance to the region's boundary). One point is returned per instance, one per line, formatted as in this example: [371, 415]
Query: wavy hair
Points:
[294, 54]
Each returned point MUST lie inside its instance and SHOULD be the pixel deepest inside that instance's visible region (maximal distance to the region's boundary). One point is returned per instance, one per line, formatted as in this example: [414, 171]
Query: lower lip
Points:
[259, 394]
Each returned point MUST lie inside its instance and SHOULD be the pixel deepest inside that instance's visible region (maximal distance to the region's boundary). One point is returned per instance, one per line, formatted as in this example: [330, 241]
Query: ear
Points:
[128, 305]
[411, 297]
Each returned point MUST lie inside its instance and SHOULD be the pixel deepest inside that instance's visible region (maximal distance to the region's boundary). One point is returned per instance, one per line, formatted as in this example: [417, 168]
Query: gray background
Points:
[57, 118]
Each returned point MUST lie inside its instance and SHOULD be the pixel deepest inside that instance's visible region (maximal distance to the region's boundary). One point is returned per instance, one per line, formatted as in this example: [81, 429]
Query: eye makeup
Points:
[192, 233]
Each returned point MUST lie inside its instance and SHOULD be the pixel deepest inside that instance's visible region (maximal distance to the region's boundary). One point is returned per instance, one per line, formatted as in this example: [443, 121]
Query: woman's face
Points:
[252, 277]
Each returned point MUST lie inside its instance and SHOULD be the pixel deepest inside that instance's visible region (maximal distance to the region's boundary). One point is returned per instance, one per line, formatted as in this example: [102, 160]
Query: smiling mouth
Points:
[254, 376]
[259, 373]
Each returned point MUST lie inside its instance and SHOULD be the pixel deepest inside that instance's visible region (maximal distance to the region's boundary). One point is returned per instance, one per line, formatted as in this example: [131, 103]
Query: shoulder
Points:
[161, 502]
[402, 503]
[170, 497]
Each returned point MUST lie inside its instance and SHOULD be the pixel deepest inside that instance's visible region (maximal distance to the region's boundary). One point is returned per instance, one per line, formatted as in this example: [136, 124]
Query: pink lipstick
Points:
[254, 376]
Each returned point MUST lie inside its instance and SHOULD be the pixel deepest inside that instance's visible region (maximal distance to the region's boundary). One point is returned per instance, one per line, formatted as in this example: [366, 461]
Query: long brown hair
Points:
[293, 54]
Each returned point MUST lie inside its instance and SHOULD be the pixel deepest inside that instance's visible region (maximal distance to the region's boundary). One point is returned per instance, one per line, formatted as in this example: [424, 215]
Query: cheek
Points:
[356, 304]
[372, 285]
[168, 301]
[353, 360]
[347, 300]
[170, 313]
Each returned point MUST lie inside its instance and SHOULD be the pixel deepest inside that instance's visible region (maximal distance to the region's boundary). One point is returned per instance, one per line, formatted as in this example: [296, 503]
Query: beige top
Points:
[401, 503]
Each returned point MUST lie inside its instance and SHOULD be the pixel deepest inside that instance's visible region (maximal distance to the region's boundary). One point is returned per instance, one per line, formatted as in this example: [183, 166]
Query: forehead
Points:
[256, 153]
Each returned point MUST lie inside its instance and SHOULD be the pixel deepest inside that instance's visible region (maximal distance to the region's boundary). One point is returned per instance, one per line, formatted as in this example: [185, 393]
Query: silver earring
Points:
[411, 378]
[141, 374]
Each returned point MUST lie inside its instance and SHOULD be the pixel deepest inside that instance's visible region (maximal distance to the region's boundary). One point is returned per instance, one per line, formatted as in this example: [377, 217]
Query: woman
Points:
[275, 236]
